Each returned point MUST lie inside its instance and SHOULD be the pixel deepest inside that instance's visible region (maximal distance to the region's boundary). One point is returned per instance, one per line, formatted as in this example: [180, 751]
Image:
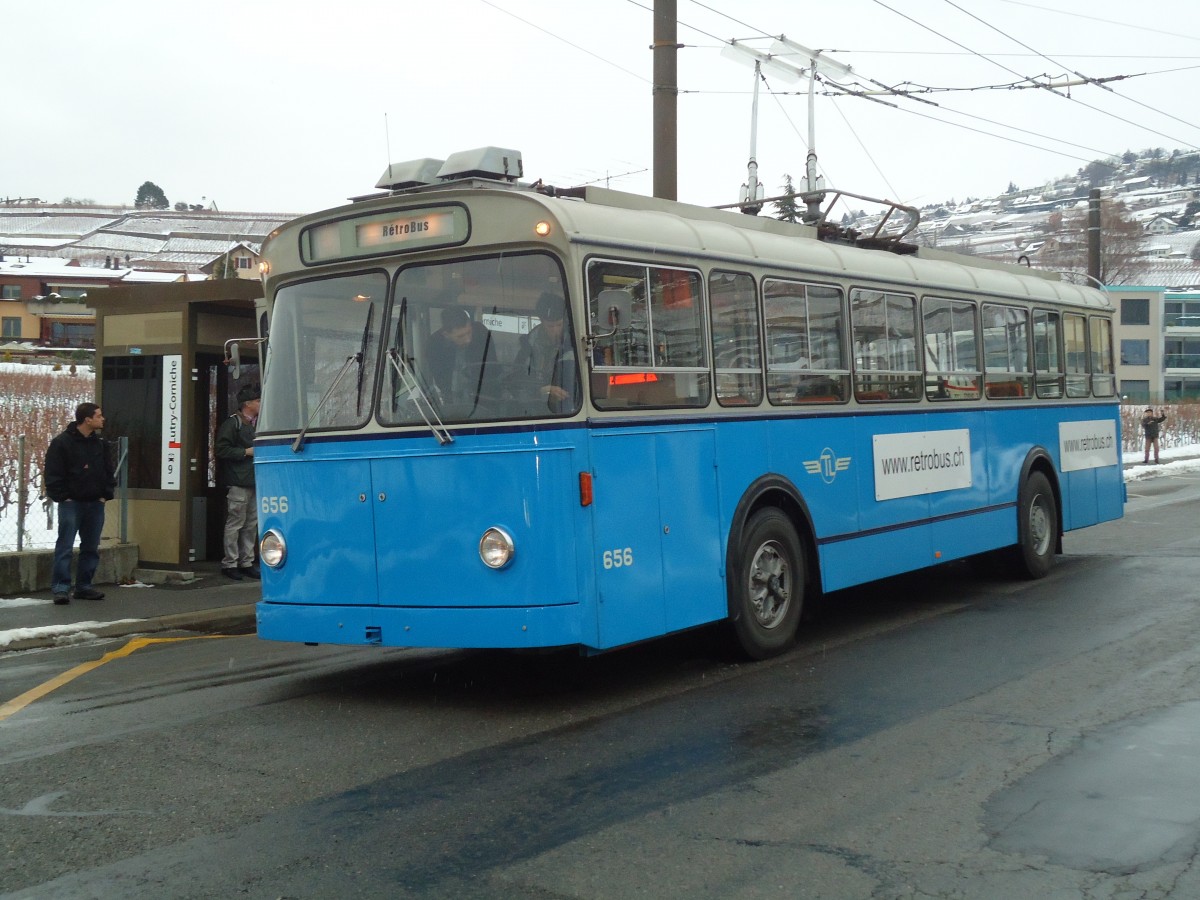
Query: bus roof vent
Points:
[414, 173]
[485, 162]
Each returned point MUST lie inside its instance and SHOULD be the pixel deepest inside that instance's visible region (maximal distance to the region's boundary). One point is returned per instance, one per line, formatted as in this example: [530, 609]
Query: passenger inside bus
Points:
[544, 368]
[461, 353]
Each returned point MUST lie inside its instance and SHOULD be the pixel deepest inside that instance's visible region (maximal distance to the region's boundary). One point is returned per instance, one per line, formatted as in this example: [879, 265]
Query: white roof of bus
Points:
[618, 220]
[660, 225]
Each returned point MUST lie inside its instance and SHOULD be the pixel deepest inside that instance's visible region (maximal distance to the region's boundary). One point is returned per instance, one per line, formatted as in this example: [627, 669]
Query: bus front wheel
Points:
[769, 594]
[1037, 526]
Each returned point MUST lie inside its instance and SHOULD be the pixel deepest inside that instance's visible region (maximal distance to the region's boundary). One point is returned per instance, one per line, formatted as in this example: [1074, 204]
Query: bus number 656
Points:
[274, 505]
[616, 559]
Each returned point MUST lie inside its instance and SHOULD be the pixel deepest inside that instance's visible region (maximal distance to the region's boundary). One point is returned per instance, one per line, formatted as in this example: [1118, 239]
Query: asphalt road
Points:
[950, 734]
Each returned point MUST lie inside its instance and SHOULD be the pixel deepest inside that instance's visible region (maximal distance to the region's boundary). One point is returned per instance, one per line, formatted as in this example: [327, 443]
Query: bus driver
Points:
[460, 353]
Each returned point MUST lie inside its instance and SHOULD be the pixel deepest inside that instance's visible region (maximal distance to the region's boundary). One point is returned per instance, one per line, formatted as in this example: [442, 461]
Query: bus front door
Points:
[657, 549]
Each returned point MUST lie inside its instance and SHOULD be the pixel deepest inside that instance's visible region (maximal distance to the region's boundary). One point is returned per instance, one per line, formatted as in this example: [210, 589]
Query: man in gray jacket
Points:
[235, 456]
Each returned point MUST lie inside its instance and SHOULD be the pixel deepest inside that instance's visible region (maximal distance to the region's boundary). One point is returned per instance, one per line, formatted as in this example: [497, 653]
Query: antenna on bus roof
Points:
[387, 141]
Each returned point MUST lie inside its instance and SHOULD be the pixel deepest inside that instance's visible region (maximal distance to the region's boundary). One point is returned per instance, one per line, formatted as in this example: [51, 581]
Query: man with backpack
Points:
[235, 456]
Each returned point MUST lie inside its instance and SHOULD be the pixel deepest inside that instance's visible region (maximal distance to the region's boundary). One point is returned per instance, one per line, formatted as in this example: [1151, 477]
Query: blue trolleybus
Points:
[498, 415]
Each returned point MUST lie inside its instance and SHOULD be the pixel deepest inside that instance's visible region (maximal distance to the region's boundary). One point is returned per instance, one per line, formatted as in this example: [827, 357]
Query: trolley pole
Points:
[666, 93]
[812, 199]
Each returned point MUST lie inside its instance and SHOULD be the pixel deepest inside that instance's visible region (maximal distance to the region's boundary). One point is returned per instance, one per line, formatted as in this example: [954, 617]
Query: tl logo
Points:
[827, 465]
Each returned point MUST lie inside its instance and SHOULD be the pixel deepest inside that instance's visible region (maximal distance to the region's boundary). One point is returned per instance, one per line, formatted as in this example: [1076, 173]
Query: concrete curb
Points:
[30, 570]
[225, 619]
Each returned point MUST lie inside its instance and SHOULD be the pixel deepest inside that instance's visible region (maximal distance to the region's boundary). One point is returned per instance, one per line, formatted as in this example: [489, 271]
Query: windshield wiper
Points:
[299, 441]
[411, 384]
[362, 354]
[358, 357]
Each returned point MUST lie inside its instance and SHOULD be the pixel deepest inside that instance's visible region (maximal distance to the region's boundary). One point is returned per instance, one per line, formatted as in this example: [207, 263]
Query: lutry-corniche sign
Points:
[172, 444]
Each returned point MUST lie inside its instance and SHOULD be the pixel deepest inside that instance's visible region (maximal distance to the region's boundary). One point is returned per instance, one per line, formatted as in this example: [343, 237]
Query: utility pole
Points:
[666, 93]
[1093, 234]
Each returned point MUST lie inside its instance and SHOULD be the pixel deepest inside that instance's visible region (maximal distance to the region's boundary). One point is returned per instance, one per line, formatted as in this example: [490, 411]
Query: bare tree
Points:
[1121, 238]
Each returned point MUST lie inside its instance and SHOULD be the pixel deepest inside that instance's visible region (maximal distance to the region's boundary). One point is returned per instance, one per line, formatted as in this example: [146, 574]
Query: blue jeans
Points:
[85, 518]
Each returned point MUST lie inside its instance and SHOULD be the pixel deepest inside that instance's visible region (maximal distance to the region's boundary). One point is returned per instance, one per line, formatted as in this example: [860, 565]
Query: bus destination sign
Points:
[388, 232]
[404, 229]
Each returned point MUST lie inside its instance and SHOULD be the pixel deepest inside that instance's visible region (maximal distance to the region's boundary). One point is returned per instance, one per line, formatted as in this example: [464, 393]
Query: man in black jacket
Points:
[79, 478]
[460, 359]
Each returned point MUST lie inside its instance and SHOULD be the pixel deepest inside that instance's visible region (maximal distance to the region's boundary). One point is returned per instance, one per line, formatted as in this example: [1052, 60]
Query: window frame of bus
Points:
[1100, 358]
[891, 384]
[1019, 383]
[746, 381]
[1078, 382]
[344, 232]
[835, 382]
[937, 381]
[1049, 380]
[641, 385]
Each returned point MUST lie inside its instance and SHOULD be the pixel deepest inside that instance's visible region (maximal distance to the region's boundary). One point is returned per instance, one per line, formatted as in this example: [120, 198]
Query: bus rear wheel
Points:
[1037, 527]
[768, 597]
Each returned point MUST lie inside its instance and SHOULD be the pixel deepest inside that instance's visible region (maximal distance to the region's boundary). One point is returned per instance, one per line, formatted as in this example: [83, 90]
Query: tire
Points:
[768, 595]
[1037, 527]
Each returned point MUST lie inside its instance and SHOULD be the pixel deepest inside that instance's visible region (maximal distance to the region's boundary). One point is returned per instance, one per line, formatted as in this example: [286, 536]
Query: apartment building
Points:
[1157, 332]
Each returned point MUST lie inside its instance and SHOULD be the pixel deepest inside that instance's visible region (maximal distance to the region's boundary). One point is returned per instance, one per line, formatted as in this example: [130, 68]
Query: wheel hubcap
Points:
[770, 585]
[1039, 525]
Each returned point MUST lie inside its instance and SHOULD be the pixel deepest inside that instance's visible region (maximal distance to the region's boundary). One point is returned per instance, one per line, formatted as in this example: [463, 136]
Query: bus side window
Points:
[885, 345]
[648, 342]
[951, 349]
[1075, 354]
[736, 343]
[1103, 377]
[1008, 374]
[806, 355]
[1047, 353]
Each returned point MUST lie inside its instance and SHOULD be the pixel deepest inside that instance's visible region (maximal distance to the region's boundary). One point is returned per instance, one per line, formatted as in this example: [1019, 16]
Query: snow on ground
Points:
[1173, 462]
[14, 602]
[74, 631]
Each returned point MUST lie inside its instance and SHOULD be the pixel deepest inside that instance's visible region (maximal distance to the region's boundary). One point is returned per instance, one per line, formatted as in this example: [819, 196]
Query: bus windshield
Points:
[325, 347]
[480, 339]
[467, 340]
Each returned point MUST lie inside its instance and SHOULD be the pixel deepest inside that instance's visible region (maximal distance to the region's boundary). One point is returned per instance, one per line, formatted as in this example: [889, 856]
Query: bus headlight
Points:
[272, 549]
[496, 548]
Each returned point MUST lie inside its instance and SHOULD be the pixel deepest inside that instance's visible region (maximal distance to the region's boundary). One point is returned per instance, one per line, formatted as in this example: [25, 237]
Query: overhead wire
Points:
[899, 90]
[1074, 14]
[545, 31]
[1023, 78]
[1078, 73]
[890, 52]
[870, 156]
[967, 115]
[1050, 89]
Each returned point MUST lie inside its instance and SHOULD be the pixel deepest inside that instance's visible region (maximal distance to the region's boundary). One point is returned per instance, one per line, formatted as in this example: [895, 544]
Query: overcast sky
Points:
[277, 106]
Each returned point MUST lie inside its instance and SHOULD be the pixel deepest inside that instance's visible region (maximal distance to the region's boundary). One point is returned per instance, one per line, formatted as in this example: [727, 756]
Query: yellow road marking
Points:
[19, 703]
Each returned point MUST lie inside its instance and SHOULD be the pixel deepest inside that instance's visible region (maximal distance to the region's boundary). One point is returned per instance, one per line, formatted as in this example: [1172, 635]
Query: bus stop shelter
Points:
[163, 384]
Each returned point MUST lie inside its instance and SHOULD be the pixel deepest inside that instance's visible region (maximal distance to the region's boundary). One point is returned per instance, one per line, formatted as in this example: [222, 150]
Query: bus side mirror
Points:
[233, 358]
[614, 308]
